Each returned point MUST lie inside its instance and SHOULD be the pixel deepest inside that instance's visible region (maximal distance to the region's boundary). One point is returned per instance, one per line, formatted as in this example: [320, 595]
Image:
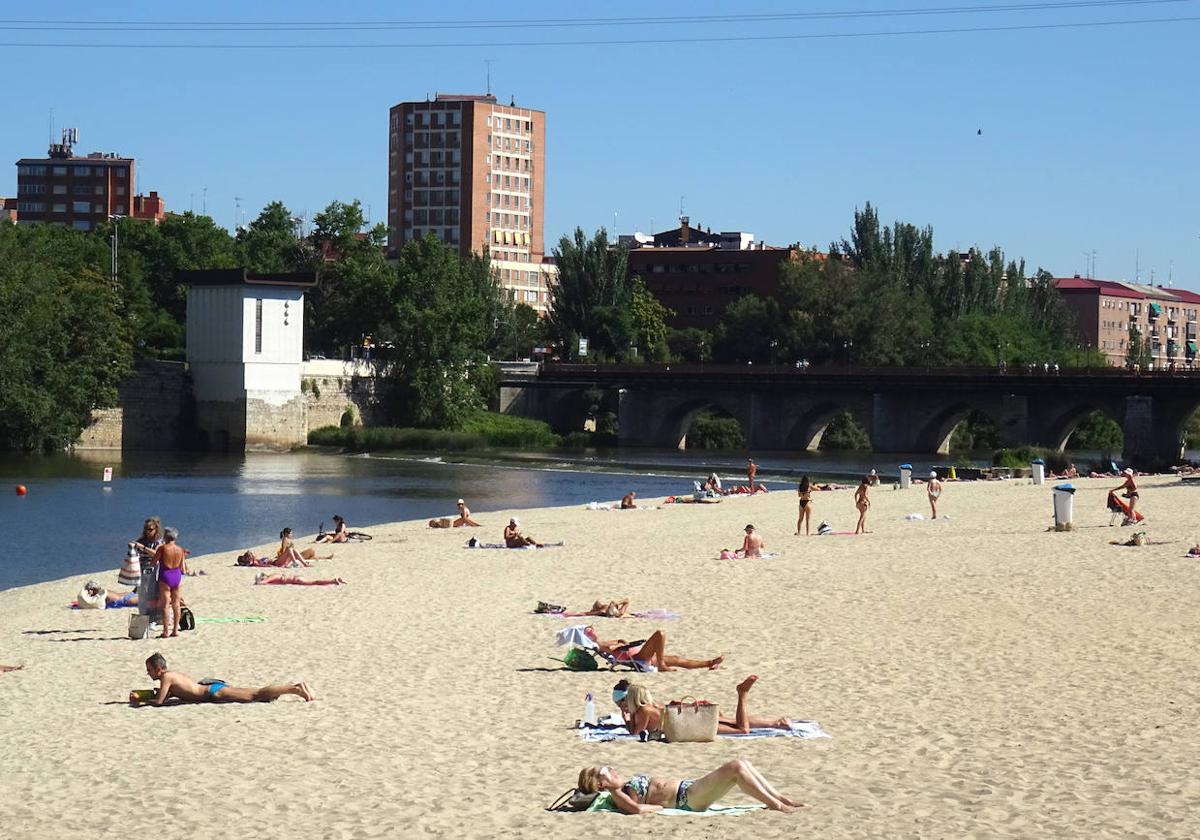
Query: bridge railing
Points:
[549, 369]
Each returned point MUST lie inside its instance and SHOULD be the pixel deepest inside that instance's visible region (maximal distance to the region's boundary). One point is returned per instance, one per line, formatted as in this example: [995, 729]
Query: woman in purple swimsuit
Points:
[169, 558]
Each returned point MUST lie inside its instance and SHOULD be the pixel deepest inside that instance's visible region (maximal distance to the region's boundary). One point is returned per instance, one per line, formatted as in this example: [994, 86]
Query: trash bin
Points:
[905, 476]
[1064, 507]
[1039, 470]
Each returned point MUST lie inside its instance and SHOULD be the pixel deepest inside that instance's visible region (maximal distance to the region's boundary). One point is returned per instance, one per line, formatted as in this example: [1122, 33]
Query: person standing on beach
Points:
[1131, 493]
[183, 687]
[751, 472]
[804, 491]
[862, 501]
[169, 558]
[934, 491]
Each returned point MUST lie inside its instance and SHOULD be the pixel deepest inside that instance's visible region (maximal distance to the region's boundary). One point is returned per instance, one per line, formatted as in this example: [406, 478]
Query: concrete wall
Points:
[330, 387]
[153, 412]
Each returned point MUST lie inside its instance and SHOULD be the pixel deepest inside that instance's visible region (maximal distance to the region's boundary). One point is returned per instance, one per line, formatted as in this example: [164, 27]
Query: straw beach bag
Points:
[694, 721]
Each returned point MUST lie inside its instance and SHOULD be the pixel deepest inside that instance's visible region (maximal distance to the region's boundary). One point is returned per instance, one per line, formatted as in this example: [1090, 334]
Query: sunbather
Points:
[627, 501]
[643, 793]
[464, 519]
[513, 537]
[289, 555]
[339, 535]
[752, 545]
[111, 599]
[649, 654]
[642, 714]
[267, 579]
[4, 669]
[183, 687]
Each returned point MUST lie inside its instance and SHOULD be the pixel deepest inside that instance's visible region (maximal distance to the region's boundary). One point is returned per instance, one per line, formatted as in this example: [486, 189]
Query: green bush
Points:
[710, 431]
[481, 429]
[1022, 456]
[504, 430]
[844, 433]
[1098, 432]
[588, 440]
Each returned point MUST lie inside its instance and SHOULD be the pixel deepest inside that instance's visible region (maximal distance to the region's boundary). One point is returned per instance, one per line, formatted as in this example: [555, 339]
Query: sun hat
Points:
[1127, 471]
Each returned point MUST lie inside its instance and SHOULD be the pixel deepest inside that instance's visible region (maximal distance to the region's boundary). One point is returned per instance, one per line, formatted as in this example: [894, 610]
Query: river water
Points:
[70, 522]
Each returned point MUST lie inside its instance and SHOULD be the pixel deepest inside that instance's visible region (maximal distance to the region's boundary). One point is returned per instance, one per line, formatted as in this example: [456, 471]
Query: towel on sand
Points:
[603, 802]
[474, 543]
[652, 615]
[806, 729]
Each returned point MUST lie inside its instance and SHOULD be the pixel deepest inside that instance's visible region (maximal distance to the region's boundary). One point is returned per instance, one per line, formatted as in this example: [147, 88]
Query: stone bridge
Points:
[908, 410]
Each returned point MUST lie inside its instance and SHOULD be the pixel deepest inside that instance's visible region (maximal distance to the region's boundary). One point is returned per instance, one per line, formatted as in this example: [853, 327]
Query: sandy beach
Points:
[980, 676]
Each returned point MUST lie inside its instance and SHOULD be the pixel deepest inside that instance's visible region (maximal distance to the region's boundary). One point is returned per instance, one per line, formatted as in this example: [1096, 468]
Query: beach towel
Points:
[603, 802]
[574, 635]
[726, 554]
[804, 729]
[651, 615]
[475, 543]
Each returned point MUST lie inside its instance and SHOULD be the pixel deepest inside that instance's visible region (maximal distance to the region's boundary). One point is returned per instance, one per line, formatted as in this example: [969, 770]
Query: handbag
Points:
[694, 721]
[139, 626]
[187, 621]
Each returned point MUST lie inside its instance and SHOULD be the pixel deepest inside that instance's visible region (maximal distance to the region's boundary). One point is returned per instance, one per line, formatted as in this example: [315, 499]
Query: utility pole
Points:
[115, 240]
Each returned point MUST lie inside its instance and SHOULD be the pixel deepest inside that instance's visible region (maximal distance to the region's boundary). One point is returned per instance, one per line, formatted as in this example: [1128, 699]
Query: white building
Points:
[245, 342]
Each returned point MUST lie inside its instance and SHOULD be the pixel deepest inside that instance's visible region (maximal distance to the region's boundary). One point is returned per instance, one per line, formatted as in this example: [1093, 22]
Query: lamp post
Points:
[115, 241]
[774, 346]
[848, 349]
[925, 345]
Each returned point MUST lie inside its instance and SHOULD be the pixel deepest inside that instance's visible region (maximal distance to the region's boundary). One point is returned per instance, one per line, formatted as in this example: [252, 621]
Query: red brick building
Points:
[149, 207]
[1105, 311]
[78, 192]
[697, 273]
[471, 172]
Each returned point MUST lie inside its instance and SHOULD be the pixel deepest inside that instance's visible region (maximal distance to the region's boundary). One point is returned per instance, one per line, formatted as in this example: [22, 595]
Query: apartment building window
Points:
[60, 189]
[121, 209]
[258, 325]
[455, 118]
[120, 171]
[61, 207]
[31, 207]
[59, 170]
[99, 189]
[83, 171]
[81, 207]
[408, 119]
[31, 188]
[81, 189]
[83, 224]
[31, 170]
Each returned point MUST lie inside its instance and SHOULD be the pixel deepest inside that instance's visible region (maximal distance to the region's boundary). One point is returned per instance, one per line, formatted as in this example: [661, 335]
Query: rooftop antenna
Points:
[1137, 266]
[204, 206]
[681, 206]
[488, 62]
[50, 137]
[1171, 274]
[237, 212]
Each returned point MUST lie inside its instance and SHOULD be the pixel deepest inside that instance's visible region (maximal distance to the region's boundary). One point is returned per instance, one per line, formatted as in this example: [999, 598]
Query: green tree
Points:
[269, 244]
[64, 343]
[649, 321]
[591, 297]
[747, 330]
[517, 329]
[439, 319]
[1137, 350]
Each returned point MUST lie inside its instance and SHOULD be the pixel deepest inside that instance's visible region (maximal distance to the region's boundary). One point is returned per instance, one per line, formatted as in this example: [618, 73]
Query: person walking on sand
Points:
[804, 491]
[751, 472]
[1131, 493]
[644, 794]
[4, 669]
[934, 490]
[862, 501]
[169, 558]
[464, 517]
[183, 687]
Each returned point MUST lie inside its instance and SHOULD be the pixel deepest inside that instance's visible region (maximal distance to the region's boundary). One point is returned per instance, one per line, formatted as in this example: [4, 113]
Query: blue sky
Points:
[1090, 135]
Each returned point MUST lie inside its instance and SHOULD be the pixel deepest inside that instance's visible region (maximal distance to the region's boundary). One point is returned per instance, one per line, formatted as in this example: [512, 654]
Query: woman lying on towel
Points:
[643, 793]
[267, 579]
[649, 654]
[642, 714]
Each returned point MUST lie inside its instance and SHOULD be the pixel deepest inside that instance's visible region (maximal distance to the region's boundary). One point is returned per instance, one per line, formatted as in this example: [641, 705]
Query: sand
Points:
[980, 676]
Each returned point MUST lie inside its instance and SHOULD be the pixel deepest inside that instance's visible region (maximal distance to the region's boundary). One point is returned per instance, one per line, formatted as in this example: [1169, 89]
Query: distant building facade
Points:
[1106, 311]
[697, 273]
[470, 171]
[76, 191]
[8, 209]
[150, 207]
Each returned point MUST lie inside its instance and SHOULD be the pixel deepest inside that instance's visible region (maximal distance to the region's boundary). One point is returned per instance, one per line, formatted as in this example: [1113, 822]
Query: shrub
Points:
[588, 440]
[1021, 457]
[510, 432]
[845, 433]
[481, 430]
[711, 431]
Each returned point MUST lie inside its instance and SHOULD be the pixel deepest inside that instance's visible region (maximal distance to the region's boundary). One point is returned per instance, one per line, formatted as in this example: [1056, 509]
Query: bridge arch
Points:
[934, 435]
[1059, 430]
[806, 433]
[672, 431]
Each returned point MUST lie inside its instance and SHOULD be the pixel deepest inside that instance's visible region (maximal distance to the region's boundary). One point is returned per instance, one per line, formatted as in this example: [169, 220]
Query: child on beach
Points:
[183, 687]
[643, 794]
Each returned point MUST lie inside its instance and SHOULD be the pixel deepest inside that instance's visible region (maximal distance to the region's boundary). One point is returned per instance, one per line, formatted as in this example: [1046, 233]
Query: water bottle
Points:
[589, 711]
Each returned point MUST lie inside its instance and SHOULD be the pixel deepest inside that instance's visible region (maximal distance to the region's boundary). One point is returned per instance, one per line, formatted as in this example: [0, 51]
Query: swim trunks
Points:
[213, 688]
[171, 577]
[681, 802]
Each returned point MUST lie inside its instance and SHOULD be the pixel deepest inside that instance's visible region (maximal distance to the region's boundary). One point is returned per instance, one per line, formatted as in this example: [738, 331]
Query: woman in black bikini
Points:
[804, 491]
[643, 793]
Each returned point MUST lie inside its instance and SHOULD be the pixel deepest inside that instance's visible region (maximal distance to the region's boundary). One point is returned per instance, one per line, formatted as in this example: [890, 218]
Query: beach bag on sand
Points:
[187, 621]
[694, 722]
[578, 659]
[573, 800]
[139, 626]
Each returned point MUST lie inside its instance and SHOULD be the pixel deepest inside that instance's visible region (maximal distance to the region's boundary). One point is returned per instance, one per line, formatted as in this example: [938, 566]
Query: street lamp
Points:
[848, 348]
[774, 345]
[114, 239]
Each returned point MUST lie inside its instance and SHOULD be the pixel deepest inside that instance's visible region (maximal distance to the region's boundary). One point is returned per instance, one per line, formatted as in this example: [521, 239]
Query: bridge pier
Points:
[1153, 429]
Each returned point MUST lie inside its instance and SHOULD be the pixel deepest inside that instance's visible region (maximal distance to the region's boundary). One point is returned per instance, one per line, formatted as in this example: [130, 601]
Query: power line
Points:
[964, 30]
[302, 26]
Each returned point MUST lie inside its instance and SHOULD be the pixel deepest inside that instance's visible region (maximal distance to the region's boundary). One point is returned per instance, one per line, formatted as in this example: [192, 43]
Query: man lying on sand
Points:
[649, 654]
[183, 687]
[4, 669]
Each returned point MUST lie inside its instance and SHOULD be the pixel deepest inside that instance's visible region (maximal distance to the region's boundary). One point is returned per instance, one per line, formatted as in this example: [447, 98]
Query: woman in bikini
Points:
[862, 501]
[642, 714]
[289, 555]
[804, 491]
[339, 535]
[649, 654]
[1131, 493]
[643, 793]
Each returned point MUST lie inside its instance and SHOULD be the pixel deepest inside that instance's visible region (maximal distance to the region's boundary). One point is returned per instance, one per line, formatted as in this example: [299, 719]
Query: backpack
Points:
[572, 801]
[578, 659]
[187, 621]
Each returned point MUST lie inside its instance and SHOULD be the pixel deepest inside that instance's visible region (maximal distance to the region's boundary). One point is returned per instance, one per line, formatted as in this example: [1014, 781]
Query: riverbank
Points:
[979, 674]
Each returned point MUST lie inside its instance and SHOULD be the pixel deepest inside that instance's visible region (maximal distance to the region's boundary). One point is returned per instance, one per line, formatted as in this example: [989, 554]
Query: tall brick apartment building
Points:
[471, 172]
[1106, 310]
[79, 191]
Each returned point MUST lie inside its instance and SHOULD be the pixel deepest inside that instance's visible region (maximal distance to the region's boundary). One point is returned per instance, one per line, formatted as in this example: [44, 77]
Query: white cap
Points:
[1127, 471]
[460, 502]
[514, 521]
[933, 473]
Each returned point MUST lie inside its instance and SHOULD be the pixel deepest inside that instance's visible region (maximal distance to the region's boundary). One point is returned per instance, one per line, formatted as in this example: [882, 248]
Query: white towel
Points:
[574, 635]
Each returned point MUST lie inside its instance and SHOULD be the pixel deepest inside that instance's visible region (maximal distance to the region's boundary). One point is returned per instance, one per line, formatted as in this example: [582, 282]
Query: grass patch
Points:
[481, 430]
